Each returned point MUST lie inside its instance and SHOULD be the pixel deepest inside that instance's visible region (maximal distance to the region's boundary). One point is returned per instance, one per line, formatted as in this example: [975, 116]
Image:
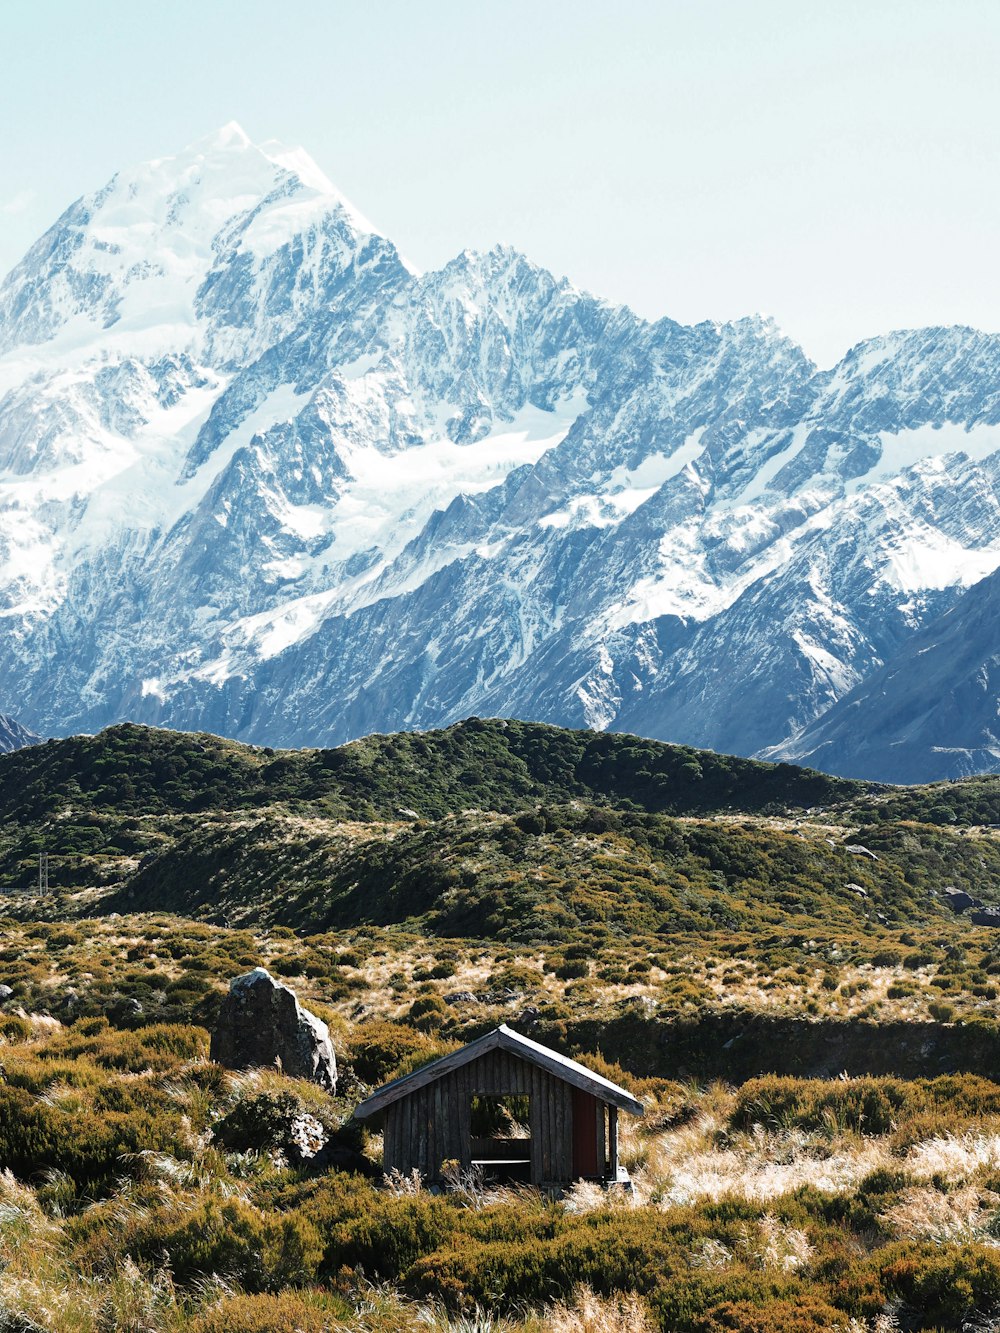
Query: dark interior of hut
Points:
[500, 1131]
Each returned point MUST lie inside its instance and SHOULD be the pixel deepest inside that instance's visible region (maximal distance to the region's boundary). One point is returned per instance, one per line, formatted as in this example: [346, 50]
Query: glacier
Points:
[260, 476]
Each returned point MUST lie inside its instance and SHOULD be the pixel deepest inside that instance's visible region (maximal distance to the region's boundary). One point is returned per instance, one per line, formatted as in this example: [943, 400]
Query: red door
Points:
[585, 1110]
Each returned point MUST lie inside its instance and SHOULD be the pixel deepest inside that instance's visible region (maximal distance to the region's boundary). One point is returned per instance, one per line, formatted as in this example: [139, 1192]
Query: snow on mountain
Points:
[13, 736]
[155, 249]
[930, 712]
[258, 476]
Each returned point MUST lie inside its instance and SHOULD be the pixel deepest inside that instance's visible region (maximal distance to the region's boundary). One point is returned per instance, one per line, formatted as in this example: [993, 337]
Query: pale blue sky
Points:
[833, 163]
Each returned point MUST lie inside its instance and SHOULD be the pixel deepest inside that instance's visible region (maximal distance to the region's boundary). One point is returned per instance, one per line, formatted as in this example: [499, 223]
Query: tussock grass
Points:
[742, 1200]
[147, 1189]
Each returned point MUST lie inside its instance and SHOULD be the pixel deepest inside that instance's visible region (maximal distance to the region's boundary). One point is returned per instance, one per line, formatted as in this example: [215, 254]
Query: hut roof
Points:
[503, 1039]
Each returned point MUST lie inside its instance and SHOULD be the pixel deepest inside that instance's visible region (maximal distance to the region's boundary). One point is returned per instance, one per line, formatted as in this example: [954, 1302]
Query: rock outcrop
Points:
[958, 901]
[262, 1023]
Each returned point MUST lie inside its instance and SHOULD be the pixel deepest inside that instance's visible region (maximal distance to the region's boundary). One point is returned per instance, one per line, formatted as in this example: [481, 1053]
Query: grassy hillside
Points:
[549, 873]
[687, 916]
[144, 1188]
[490, 830]
[971, 801]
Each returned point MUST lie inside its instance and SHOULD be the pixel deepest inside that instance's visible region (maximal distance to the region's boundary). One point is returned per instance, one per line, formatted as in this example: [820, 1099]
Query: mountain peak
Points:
[257, 477]
[137, 252]
[232, 135]
[232, 141]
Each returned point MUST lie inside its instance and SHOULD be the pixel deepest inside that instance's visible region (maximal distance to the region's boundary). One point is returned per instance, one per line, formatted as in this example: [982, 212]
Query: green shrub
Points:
[377, 1049]
[289, 965]
[942, 1287]
[886, 958]
[13, 1028]
[919, 958]
[865, 1105]
[232, 1239]
[427, 1012]
[91, 1148]
[442, 970]
[262, 1121]
[365, 1228]
[802, 1314]
[159, 1047]
[572, 969]
[513, 977]
[289, 1312]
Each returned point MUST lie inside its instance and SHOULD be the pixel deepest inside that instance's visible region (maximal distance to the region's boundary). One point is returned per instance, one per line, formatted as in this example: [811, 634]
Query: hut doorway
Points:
[588, 1135]
[595, 1137]
[500, 1136]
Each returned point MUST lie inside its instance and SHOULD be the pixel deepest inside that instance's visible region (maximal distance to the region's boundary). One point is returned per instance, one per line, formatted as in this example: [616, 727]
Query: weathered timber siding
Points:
[432, 1125]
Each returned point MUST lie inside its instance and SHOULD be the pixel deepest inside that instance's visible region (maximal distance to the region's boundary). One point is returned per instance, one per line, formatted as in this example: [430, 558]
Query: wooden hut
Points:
[507, 1105]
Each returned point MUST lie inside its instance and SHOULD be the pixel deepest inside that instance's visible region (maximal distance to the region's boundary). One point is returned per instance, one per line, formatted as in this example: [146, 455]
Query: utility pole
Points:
[43, 872]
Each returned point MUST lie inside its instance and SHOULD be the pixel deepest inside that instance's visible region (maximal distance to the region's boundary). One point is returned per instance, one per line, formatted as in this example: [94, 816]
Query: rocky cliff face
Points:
[931, 712]
[257, 476]
[13, 736]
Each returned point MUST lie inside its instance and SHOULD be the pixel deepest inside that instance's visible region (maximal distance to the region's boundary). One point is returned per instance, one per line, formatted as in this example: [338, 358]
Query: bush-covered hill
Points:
[970, 801]
[682, 913]
[685, 915]
[144, 1188]
[491, 829]
[546, 873]
[486, 764]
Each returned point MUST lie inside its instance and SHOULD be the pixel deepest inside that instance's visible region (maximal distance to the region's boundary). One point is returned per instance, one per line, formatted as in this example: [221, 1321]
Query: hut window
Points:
[500, 1136]
[501, 1117]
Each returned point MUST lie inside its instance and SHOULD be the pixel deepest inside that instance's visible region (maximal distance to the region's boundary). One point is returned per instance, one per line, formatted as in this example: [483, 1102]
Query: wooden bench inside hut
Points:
[507, 1105]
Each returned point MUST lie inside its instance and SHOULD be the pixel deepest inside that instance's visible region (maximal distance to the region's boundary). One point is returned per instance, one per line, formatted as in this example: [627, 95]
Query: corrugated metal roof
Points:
[505, 1039]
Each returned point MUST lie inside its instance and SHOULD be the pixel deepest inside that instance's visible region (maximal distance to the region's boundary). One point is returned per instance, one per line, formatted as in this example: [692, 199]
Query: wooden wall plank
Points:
[443, 1094]
[388, 1158]
[541, 1156]
[563, 1099]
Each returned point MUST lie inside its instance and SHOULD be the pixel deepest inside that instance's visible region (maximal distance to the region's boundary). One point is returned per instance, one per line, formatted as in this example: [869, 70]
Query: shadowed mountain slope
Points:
[932, 711]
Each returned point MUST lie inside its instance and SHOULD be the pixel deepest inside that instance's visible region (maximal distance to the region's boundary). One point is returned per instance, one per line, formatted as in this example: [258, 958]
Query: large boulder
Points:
[262, 1023]
[958, 901]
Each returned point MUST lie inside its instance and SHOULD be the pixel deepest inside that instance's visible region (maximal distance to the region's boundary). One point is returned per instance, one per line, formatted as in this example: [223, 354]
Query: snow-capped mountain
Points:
[930, 712]
[260, 477]
[13, 736]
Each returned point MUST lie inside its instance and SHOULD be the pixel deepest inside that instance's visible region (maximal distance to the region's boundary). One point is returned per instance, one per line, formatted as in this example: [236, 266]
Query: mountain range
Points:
[259, 476]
